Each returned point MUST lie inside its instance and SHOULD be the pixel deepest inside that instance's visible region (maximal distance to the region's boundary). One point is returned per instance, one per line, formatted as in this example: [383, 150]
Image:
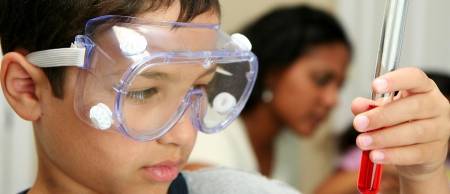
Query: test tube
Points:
[387, 61]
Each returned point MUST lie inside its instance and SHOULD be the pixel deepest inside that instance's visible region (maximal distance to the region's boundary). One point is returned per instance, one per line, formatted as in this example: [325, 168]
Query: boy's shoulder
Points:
[225, 181]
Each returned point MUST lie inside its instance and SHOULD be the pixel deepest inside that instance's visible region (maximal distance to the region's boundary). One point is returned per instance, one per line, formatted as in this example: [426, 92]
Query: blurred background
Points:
[426, 45]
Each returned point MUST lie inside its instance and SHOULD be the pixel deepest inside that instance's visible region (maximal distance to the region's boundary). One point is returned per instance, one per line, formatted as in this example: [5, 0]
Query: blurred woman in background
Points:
[303, 54]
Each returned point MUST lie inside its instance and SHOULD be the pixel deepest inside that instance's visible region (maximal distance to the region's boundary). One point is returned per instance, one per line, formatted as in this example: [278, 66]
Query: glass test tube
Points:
[387, 61]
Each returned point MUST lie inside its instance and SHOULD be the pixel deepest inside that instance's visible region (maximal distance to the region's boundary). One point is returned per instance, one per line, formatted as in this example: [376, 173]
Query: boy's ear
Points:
[21, 82]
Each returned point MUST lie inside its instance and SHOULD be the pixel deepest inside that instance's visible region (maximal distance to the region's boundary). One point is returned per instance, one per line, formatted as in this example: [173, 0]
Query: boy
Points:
[117, 112]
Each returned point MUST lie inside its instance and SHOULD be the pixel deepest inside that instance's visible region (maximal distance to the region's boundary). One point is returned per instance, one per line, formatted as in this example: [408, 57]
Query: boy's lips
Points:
[163, 172]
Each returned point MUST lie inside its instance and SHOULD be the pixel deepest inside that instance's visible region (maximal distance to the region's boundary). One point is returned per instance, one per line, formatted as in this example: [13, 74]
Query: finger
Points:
[410, 79]
[420, 106]
[360, 105]
[409, 155]
[410, 133]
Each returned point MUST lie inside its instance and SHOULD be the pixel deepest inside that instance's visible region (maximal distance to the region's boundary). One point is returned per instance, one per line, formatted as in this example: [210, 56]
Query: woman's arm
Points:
[342, 182]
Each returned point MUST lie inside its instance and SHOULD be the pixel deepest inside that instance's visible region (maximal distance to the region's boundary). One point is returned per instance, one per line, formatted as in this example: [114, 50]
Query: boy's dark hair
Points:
[283, 35]
[36, 25]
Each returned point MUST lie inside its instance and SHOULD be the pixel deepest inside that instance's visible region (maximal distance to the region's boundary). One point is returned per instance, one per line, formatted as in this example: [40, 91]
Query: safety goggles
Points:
[140, 77]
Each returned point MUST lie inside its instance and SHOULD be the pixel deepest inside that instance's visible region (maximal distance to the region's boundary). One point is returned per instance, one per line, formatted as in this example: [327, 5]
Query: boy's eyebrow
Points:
[156, 75]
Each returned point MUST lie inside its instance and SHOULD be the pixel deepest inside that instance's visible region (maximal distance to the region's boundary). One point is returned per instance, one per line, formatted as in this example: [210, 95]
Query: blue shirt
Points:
[178, 186]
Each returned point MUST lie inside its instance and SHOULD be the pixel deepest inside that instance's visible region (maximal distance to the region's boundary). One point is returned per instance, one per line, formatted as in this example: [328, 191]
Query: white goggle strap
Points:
[58, 57]
[74, 56]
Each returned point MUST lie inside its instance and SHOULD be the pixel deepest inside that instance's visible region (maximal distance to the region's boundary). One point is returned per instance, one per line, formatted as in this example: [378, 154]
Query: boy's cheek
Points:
[87, 153]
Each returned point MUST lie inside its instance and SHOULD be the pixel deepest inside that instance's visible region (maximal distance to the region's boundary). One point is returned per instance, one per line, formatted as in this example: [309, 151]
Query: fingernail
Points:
[361, 122]
[377, 156]
[380, 85]
[365, 140]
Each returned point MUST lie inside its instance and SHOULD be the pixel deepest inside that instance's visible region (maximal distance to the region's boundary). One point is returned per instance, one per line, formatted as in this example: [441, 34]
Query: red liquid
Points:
[369, 174]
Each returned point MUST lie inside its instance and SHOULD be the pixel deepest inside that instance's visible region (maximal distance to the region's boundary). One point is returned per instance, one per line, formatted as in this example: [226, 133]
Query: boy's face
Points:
[109, 162]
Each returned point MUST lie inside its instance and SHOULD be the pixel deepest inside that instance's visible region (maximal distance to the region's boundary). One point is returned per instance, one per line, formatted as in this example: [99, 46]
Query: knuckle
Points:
[411, 156]
[418, 72]
[442, 126]
[447, 111]
[416, 105]
[380, 139]
[441, 104]
[419, 131]
[430, 83]
[413, 71]
[383, 116]
[420, 155]
[398, 157]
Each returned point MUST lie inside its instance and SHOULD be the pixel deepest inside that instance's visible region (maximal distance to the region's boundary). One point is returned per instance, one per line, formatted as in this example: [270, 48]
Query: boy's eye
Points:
[142, 95]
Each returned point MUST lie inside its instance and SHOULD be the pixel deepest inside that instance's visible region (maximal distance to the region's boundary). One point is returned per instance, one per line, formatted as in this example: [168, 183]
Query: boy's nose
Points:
[183, 132]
